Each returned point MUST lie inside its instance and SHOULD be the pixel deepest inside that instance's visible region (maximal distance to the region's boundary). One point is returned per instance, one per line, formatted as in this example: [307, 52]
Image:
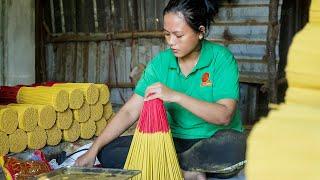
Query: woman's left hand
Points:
[158, 90]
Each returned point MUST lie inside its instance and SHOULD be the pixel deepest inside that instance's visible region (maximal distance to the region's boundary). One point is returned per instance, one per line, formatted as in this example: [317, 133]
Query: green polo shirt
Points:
[215, 77]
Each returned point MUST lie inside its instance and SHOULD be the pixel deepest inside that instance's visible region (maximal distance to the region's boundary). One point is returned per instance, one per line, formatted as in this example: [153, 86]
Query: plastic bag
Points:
[24, 169]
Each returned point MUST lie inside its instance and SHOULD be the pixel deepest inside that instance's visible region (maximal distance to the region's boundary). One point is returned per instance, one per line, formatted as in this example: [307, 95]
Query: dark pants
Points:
[225, 148]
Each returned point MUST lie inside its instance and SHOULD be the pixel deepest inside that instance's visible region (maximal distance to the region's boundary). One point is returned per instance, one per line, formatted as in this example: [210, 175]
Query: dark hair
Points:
[195, 12]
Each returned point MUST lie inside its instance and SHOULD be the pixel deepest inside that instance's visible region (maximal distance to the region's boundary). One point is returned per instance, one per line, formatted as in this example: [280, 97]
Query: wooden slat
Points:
[104, 62]
[70, 62]
[92, 73]
[142, 15]
[79, 62]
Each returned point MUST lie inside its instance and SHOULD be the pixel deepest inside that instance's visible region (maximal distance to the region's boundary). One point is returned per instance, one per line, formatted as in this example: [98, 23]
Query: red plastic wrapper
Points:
[16, 169]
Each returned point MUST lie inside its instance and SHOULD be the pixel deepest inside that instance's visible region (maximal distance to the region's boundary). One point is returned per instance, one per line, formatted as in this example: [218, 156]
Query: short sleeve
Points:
[148, 78]
[226, 79]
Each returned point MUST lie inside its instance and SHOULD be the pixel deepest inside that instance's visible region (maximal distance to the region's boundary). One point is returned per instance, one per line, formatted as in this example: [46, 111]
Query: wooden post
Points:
[63, 27]
[73, 16]
[40, 35]
[53, 24]
[272, 36]
[95, 16]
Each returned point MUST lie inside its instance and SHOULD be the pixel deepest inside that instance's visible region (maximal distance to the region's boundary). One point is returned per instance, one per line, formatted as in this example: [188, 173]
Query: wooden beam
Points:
[103, 36]
[134, 35]
[256, 78]
[121, 85]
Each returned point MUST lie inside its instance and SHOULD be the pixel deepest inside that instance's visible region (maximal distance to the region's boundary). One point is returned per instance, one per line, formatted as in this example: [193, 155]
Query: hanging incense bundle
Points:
[152, 150]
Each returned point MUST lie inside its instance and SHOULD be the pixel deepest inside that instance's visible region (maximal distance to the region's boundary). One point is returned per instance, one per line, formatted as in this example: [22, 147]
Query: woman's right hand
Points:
[86, 160]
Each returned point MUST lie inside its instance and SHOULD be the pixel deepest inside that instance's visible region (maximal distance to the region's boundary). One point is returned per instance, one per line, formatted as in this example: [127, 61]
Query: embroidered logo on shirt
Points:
[205, 80]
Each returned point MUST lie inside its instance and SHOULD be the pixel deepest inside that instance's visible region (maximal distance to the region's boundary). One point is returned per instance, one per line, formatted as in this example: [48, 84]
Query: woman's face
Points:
[182, 39]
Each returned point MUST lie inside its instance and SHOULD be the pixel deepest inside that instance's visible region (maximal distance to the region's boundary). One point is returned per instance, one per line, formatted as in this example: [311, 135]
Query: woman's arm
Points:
[216, 113]
[126, 116]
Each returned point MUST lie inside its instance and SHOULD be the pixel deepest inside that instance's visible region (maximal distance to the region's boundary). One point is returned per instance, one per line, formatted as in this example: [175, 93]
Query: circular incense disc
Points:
[96, 111]
[18, 141]
[82, 114]
[61, 101]
[87, 129]
[76, 98]
[73, 133]
[54, 136]
[47, 116]
[37, 138]
[27, 117]
[92, 94]
[4, 144]
[8, 120]
[64, 119]
[104, 93]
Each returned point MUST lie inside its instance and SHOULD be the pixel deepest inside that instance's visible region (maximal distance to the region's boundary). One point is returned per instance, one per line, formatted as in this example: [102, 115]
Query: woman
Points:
[198, 81]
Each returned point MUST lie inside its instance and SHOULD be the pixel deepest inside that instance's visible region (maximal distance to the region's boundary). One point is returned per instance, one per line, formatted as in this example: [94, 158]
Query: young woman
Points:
[199, 83]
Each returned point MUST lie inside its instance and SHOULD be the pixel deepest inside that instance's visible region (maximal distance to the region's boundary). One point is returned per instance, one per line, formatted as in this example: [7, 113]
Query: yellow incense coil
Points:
[47, 116]
[37, 138]
[57, 98]
[64, 119]
[82, 114]
[154, 154]
[91, 92]
[104, 93]
[73, 133]
[27, 116]
[101, 124]
[8, 119]
[54, 136]
[4, 144]
[96, 111]
[76, 98]
[18, 141]
[87, 129]
[107, 110]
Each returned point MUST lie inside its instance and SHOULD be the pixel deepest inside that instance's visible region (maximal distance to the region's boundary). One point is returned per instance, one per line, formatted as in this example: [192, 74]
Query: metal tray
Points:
[75, 173]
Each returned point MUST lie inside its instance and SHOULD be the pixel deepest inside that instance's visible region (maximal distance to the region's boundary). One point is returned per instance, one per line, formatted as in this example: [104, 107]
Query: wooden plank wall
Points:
[2, 18]
[86, 53]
